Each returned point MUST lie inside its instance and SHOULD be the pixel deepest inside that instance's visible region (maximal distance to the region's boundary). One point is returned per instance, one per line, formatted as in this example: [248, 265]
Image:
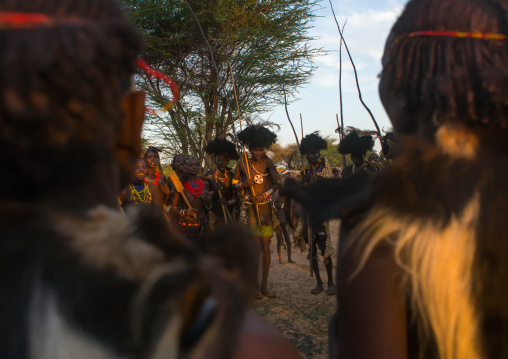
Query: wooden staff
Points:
[301, 124]
[224, 209]
[355, 72]
[341, 133]
[179, 187]
[246, 167]
[341, 125]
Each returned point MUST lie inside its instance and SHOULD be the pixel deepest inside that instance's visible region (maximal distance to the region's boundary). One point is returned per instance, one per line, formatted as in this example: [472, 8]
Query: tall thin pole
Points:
[355, 72]
[301, 124]
[243, 149]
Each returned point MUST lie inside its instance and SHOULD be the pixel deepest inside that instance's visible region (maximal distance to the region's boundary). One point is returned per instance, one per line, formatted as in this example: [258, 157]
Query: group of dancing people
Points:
[421, 270]
[248, 194]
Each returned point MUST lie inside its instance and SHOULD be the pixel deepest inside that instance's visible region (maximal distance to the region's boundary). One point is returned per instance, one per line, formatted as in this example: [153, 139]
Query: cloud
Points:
[365, 32]
[368, 25]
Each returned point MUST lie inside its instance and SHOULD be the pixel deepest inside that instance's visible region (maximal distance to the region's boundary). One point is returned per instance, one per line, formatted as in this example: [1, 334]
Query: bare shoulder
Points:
[259, 340]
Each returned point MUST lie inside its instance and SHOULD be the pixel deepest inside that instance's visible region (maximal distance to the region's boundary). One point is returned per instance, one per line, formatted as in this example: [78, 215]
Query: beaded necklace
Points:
[315, 173]
[155, 181]
[195, 188]
[143, 196]
[222, 180]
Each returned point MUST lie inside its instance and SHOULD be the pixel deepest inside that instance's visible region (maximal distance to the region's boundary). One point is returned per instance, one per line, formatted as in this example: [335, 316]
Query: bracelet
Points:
[183, 212]
[208, 206]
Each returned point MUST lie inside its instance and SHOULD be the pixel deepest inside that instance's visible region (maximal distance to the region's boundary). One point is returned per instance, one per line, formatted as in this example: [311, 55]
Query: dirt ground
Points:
[301, 316]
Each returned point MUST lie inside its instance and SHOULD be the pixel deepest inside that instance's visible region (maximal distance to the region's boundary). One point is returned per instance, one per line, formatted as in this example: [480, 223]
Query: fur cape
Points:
[104, 285]
[446, 230]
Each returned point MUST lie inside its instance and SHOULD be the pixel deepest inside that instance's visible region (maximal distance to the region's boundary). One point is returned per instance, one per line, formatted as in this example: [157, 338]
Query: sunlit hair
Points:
[447, 241]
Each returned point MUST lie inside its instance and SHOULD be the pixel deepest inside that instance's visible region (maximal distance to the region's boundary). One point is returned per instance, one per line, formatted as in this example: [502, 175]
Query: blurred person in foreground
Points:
[422, 270]
[79, 279]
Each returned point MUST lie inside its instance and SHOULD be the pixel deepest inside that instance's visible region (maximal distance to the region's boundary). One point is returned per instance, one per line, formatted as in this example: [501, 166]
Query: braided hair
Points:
[450, 78]
[61, 91]
[173, 161]
[156, 151]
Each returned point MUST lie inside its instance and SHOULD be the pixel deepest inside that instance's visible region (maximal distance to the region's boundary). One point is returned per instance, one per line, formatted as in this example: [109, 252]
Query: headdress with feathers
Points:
[312, 142]
[356, 142]
[257, 137]
[388, 144]
[221, 146]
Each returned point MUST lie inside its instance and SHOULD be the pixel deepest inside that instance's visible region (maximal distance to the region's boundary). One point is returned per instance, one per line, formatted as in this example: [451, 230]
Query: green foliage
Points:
[260, 38]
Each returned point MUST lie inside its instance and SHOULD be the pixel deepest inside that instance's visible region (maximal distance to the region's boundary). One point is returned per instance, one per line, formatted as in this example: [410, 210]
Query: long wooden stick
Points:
[253, 192]
[378, 130]
[224, 209]
[301, 124]
[309, 227]
[341, 125]
[179, 187]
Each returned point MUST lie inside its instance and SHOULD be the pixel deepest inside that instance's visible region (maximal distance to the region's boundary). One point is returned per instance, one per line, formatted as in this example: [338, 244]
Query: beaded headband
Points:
[18, 21]
[456, 34]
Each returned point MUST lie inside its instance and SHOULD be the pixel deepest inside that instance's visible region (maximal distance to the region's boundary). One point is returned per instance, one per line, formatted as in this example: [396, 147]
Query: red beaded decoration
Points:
[195, 188]
[150, 71]
[157, 178]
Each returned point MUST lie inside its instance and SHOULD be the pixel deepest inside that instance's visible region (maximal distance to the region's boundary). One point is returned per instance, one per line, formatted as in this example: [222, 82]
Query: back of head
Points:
[62, 80]
[433, 67]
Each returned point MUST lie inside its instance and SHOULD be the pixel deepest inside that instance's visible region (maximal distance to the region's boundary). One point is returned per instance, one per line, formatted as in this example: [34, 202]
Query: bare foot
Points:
[318, 289]
[332, 289]
[291, 261]
[269, 294]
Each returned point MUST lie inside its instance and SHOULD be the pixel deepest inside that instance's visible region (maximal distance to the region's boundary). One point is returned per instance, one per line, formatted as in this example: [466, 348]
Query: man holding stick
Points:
[258, 177]
[220, 179]
[316, 169]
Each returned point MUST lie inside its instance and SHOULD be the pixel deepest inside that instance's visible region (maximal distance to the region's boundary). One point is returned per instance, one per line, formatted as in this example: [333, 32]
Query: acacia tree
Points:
[263, 40]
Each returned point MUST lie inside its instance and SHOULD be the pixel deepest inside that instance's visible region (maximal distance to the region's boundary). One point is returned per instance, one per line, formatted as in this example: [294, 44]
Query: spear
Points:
[341, 126]
[309, 228]
[195, 141]
[224, 209]
[243, 149]
[355, 72]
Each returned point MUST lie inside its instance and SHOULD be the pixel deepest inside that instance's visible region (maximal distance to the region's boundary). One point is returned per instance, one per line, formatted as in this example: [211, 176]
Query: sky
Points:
[368, 25]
